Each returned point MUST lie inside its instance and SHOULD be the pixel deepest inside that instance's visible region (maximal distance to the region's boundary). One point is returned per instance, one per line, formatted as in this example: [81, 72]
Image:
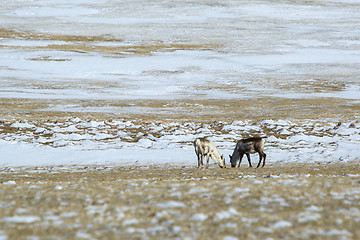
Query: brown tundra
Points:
[247, 146]
[204, 147]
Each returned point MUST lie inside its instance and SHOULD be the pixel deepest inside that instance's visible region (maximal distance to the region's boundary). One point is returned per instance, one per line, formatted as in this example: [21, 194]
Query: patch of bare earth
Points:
[295, 201]
[182, 109]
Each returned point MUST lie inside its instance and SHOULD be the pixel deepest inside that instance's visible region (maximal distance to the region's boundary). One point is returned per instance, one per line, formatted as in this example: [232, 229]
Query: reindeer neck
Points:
[216, 155]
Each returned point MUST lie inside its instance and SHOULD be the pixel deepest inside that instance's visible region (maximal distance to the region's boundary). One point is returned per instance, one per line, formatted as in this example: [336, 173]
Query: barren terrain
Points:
[293, 201]
[101, 101]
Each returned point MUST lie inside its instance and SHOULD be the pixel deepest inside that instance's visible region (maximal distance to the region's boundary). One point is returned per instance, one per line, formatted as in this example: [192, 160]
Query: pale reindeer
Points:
[204, 147]
[247, 146]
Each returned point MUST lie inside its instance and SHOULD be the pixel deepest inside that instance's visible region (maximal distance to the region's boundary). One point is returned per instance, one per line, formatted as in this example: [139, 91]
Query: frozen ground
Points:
[291, 201]
[128, 81]
[76, 141]
[100, 102]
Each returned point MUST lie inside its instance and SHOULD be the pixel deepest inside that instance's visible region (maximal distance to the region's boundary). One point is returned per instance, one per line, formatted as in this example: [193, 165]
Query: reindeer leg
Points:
[207, 162]
[249, 160]
[202, 157]
[260, 157]
[198, 158]
[264, 157]
[241, 156]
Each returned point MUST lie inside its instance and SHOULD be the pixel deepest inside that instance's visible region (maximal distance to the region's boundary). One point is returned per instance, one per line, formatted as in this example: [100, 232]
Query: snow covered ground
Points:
[137, 142]
[122, 57]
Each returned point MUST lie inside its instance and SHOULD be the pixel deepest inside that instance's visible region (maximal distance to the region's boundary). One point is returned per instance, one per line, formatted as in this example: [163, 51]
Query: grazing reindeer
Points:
[247, 146]
[204, 147]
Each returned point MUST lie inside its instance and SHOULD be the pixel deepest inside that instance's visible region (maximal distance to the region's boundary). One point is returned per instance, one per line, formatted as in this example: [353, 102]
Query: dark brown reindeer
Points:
[247, 146]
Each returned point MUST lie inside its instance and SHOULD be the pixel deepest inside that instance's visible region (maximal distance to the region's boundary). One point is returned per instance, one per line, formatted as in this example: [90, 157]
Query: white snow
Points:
[225, 214]
[94, 142]
[230, 238]
[308, 217]
[171, 204]
[314, 208]
[282, 224]
[256, 39]
[9, 183]
[199, 217]
[21, 219]
[23, 154]
[130, 221]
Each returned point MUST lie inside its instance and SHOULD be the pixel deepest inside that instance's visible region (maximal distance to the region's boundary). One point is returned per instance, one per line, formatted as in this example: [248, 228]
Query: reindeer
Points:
[247, 146]
[204, 147]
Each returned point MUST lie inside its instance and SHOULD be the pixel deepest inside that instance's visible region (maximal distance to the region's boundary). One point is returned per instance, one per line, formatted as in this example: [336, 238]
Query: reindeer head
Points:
[222, 162]
[232, 161]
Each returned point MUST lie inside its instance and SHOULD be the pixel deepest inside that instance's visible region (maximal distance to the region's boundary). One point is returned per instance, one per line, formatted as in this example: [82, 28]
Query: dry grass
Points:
[280, 202]
[49, 59]
[206, 110]
[86, 44]
[27, 35]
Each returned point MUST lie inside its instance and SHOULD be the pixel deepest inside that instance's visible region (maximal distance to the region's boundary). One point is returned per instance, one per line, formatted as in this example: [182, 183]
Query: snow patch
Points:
[21, 219]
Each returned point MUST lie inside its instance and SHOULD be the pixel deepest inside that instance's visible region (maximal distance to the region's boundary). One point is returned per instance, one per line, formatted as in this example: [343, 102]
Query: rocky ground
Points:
[292, 201]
